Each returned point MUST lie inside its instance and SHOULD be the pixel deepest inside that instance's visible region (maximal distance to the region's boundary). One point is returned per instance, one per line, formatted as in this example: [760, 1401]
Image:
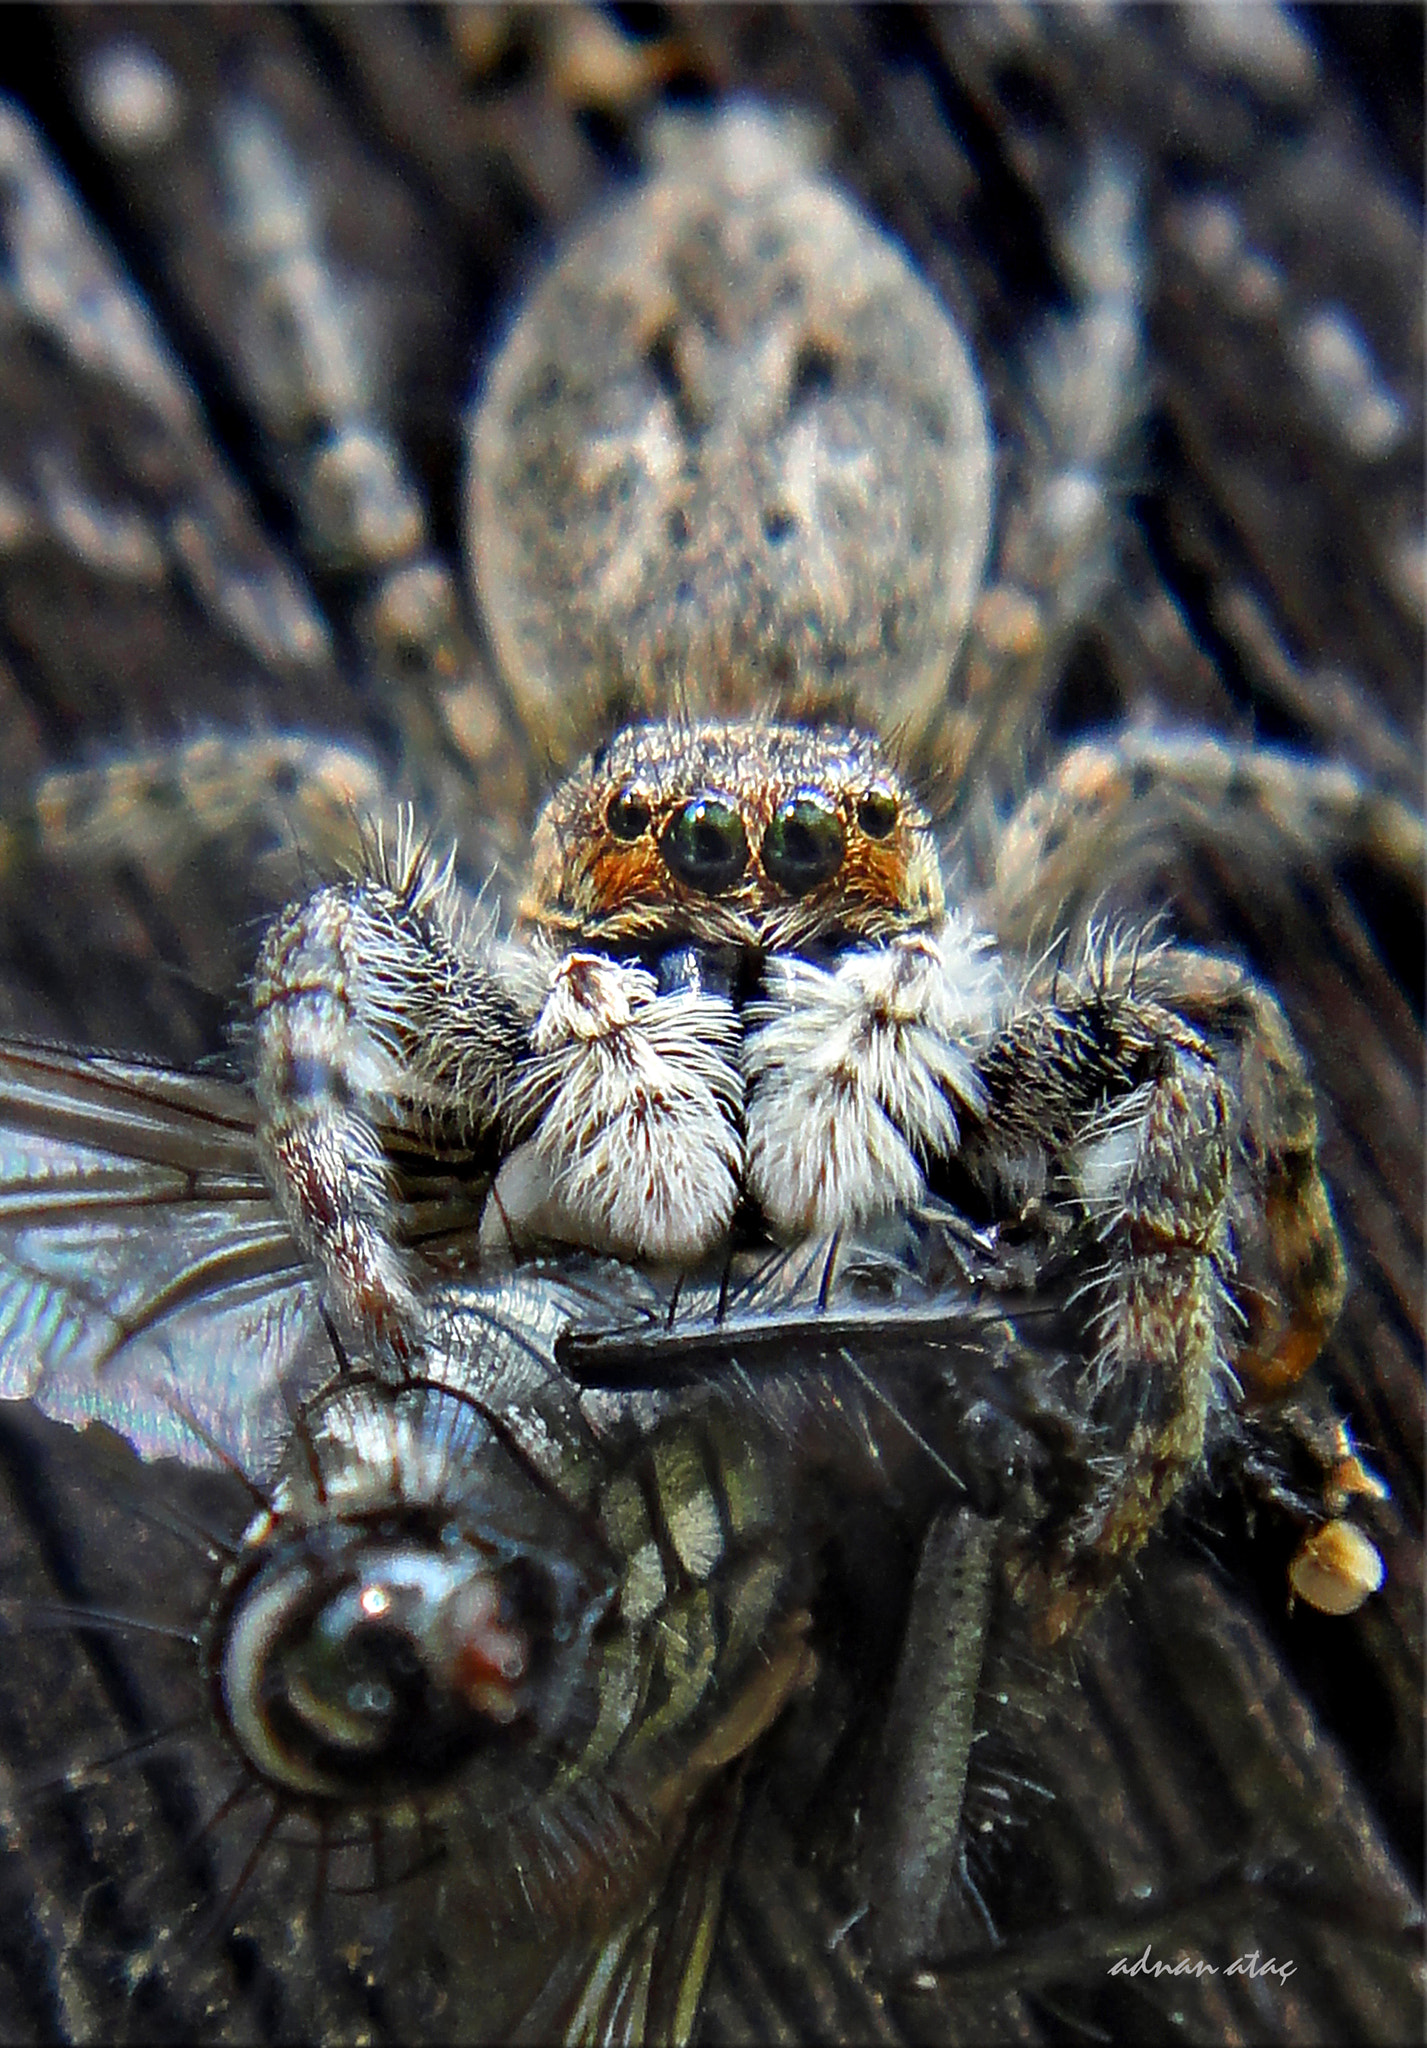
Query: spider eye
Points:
[877, 813]
[627, 815]
[704, 845]
[804, 844]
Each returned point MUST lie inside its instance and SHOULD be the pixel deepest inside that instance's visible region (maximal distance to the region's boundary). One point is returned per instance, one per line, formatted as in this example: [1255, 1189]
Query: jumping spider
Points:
[746, 990]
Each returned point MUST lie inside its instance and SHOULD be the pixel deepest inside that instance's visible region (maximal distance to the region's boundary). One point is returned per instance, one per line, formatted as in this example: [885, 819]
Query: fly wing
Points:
[642, 1983]
[147, 1280]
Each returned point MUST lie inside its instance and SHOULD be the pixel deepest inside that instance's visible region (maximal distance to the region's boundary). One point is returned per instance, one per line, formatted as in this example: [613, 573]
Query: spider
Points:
[1085, 789]
[741, 980]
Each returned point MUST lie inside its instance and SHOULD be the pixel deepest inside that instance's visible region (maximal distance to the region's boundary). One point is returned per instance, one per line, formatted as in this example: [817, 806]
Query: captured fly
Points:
[473, 1656]
[566, 1649]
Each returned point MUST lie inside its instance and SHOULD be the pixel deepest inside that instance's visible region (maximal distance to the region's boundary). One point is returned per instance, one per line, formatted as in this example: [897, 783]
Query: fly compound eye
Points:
[365, 1664]
[704, 845]
[627, 815]
[804, 844]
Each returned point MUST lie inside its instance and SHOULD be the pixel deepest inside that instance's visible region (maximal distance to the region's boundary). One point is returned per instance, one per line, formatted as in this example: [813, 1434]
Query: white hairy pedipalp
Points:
[635, 1098]
[855, 1074]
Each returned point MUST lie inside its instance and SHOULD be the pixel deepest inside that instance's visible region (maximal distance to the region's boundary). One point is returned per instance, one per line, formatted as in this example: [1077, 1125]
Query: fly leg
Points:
[913, 1852]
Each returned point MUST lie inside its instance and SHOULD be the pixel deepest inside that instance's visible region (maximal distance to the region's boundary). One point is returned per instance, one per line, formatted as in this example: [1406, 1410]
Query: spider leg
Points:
[1162, 1088]
[163, 807]
[1100, 1092]
[1291, 1280]
[185, 847]
[1110, 803]
[378, 1012]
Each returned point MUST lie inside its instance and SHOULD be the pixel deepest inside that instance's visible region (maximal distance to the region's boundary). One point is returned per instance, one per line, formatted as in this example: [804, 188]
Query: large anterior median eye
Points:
[804, 844]
[704, 845]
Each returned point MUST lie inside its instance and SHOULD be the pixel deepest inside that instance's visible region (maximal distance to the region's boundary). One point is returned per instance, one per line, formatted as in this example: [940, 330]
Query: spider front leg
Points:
[1291, 1280]
[378, 1012]
[1290, 1285]
[1100, 1097]
[1162, 1093]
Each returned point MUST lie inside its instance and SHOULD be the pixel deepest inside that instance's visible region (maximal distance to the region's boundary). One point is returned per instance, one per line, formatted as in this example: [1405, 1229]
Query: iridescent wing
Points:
[644, 1981]
[146, 1278]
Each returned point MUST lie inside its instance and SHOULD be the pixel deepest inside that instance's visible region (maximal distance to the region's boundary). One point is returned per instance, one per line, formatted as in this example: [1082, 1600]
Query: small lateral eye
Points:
[627, 815]
[877, 813]
[704, 845]
[804, 844]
